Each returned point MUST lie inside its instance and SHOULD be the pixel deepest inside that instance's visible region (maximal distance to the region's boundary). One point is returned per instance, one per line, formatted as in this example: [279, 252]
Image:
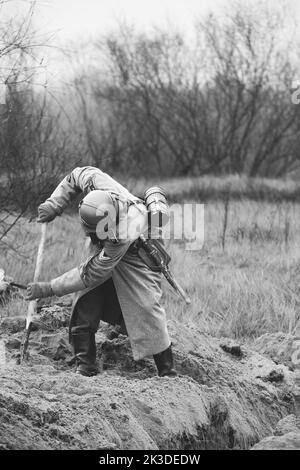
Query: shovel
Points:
[32, 307]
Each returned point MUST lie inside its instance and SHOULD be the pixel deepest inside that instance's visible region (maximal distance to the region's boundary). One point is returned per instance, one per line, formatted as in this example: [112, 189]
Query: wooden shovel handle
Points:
[40, 254]
[32, 306]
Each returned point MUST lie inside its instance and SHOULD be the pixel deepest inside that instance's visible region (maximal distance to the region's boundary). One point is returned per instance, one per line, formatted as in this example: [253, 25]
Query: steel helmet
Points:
[98, 213]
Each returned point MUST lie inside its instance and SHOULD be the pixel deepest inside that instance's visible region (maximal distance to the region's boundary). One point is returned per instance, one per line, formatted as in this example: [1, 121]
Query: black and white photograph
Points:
[149, 230]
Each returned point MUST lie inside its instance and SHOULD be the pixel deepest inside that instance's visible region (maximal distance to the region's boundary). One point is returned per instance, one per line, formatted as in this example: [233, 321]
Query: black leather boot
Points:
[85, 353]
[164, 363]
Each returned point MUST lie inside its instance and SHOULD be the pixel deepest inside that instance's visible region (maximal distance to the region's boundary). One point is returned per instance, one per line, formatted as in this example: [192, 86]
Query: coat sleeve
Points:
[93, 272]
[74, 183]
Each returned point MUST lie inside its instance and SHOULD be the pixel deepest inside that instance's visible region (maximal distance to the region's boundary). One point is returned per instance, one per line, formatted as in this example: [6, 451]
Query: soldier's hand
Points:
[38, 290]
[46, 213]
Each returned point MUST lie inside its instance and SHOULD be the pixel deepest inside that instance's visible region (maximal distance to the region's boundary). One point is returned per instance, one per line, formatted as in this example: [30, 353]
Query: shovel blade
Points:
[32, 308]
[24, 343]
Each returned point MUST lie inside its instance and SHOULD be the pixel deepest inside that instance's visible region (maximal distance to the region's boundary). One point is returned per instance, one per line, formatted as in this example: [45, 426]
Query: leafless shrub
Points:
[158, 106]
[34, 150]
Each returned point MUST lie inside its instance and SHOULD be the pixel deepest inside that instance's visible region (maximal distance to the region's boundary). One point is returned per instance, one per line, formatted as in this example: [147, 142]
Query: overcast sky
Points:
[70, 22]
[73, 21]
[76, 18]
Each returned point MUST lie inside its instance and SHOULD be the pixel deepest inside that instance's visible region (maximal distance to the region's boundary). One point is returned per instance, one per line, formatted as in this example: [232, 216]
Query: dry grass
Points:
[250, 288]
[253, 286]
[214, 188]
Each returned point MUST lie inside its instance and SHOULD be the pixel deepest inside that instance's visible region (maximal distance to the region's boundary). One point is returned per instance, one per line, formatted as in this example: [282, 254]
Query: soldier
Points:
[114, 284]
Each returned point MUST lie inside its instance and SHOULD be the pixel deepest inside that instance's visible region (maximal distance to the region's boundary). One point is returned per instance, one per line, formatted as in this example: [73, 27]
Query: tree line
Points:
[156, 105]
[215, 105]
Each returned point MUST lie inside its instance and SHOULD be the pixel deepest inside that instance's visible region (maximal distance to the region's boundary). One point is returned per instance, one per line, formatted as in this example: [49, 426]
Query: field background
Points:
[209, 109]
[244, 282]
[212, 117]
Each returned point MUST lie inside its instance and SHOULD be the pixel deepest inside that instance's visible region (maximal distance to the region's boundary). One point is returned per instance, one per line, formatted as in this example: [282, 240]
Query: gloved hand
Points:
[3, 286]
[38, 290]
[46, 212]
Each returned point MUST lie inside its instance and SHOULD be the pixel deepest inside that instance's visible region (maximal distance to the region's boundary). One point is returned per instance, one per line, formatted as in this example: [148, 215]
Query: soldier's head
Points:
[98, 212]
[105, 216]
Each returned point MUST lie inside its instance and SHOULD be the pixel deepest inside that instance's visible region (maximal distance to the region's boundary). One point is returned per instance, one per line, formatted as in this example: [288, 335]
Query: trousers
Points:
[101, 303]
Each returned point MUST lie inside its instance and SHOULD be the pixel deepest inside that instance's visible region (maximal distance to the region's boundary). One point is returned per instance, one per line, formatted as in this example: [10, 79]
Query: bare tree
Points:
[221, 105]
[35, 148]
[252, 118]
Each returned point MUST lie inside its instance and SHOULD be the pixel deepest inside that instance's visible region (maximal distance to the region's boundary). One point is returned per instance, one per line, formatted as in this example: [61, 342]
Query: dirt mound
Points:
[286, 436]
[281, 347]
[290, 423]
[290, 441]
[224, 398]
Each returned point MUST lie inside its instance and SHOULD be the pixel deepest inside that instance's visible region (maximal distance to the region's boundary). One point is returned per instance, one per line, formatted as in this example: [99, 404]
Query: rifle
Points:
[161, 260]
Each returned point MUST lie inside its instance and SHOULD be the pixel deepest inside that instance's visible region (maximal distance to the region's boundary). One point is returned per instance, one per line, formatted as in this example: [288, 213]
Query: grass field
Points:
[244, 282]
[214, 188]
